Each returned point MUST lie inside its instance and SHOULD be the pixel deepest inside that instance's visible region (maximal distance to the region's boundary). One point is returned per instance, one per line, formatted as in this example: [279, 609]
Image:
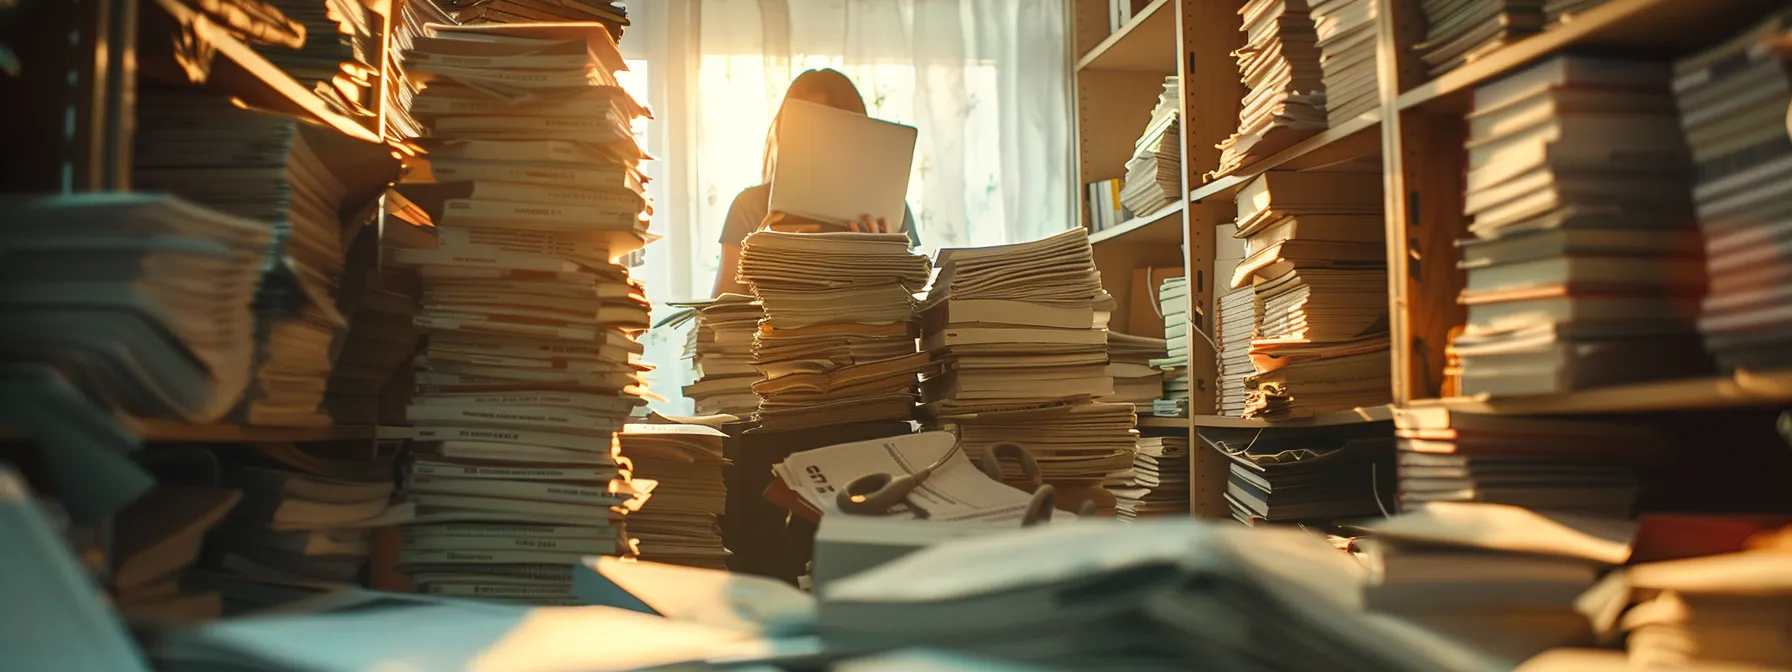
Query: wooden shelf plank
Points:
[1162, 226]
[1146, 44]
[1350, 417]
[1743, 390]
[1353, 138]
[1661, 28]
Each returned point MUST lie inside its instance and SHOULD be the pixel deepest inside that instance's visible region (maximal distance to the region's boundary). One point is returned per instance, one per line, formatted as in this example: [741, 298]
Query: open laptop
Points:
[834, 165]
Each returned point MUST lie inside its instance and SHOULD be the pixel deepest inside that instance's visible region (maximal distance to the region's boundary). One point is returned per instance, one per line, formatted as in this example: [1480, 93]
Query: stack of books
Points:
[1136, 381]
[1735, 126]
[1237, 326]
[1584, 269]
[530, 367]
[1725, 611]
[1157, 482]
[613, 15]
[1279, 64]
[1459, 32]
[1561, 11]
[371, 380]
[837, 343]
[1316, 266]
[1172, 300]
[680, 524]
[1318, 475]
[1020, 332]
[720, 348]
[340, 57]
[159, 538]
[411, 23]
[1346, 31]
[304, 525]
[1105, 209]
[139, 300]
[311, 184]
[1540, 463]
[1154, 173]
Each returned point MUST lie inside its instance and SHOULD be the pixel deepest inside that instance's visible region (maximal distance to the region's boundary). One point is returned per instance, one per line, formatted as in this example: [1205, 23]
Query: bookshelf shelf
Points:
[1163, 226]
[1352, 139]
[1661, 27]
[1146, 44]
[1745, 389]
[1350, 417]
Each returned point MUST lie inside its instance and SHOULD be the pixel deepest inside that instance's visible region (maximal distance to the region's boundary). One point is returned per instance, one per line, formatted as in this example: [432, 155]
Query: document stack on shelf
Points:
[1136, 381]
[1172, 299]
[531, 362]
[1556, 12]
[1539, 463]
[410, 23]
[340, 57]
[1346, 31]
[613, 15]
[1461, 31]
[1736, 127]
[680, 524]
[158, 538]
[1237, 326]
[1020, 333]
[371, 380]
[1584, 269]
[1154, 173]
[720, 347]
[1307, 474]
[1316, 264]
[1279, 65]
[1157, 482]
[304, 525]
[311, 185]
[837, 344]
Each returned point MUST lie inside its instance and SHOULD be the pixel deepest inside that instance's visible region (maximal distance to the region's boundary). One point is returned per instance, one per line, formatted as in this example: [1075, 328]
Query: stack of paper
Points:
[956, 491]
[1154, 173]
[1540, 463]
[1727, 611]
[1237, 326]
[679, 524]
[1562, 11]
[1136, 381]
[1316, 264]
[411, 23]
[1021, 332]
[340, 57]
[1346, 31]
[371, 380]
[1172, 300]
[1307, 474]
[304, 525]
[720, 347]
[140, 300]
[1732, 102]
[613, 15]
[1584, 269]
[836, 345]
[1157, 482]
[1462, 31]
[1279, 64]
[530, 368]
[158, 539]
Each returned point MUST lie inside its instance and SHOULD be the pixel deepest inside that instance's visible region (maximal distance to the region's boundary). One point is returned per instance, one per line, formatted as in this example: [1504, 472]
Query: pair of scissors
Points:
[879, 494]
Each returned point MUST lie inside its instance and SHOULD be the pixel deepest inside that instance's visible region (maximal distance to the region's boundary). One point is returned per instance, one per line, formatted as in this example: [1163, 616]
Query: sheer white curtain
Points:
[986, 82]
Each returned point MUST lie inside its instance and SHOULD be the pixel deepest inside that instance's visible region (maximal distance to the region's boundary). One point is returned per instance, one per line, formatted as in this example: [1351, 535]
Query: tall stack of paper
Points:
[307, 182]
[1460, 32]
[1562, 11]
[613, 15]
[1727, 611]
[1316, 266]
[1237, 326]
[141, 300]
[1539, 463]
[721, 349]
[1346, 31]
[836, 345]
[304, 524]
[1136, 381]
[1732, 102]
[1172, 299]
[530, 367]
[341, 55]
[1021, 333]
[1279, 64]
[679, 525]
[410, 24]
[158, 539]
[1154, 173]
[1307, 474]
[1584, 269]
[1157, 482]
[370, 381]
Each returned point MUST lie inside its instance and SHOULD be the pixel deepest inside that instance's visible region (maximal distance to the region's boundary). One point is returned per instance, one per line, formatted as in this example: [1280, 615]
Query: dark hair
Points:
[824, 86]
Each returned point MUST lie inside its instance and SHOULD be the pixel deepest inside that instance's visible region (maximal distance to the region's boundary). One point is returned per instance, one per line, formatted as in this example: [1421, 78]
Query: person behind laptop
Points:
[750, 207]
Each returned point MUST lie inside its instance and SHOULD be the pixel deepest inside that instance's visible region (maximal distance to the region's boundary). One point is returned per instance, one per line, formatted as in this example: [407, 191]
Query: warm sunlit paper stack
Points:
[1156, 484]
[1021, 334]
[612, 14]
[1279, 65]
[1154, 173]
[1237, 326]
[340, 58]
[1540, 463]
[720, 348]
[1461, 31]
[679, 525]
[1136, 381]
[412, 21]
[1346, 31]
[837, 344]
[1315, 264]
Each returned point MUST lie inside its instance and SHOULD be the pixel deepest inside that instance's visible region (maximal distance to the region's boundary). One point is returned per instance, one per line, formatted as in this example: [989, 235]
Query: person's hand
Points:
[865, 225]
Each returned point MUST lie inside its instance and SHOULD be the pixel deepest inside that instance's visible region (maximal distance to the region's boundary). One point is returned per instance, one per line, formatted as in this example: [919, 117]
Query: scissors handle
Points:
[1029, 466]
[876, 494]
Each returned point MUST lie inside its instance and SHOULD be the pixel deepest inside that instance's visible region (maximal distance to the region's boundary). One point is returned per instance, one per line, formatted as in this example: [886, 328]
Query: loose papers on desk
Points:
[957, 490]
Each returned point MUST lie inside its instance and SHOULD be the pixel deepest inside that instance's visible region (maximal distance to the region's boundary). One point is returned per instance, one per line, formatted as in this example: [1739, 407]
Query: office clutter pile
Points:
[720, 347]
[679, 524]
[1154, 173]
[1555, 196]
[1172, 301]
[1315, 264]
[1320, 475]
[532, 185]
[1280, 65]
[1019, 334]
[836, 345]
